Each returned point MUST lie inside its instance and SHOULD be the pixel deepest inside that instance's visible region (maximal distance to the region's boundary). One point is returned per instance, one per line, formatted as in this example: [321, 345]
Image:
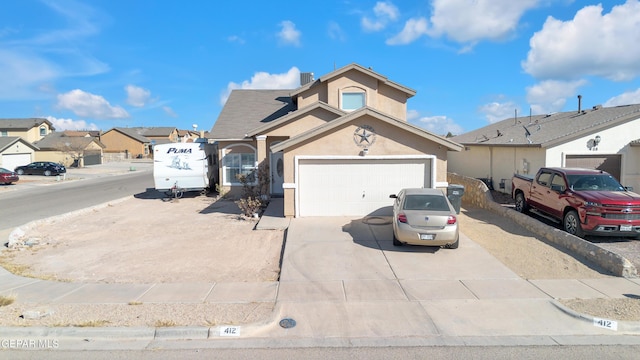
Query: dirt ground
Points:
[138, 234]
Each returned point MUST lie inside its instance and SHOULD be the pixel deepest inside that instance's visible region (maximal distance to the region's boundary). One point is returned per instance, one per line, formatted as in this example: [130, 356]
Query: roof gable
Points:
[8, 141]
[549, 130]
[368, 71]
[293, 116]
[132, 133]
[328, 127]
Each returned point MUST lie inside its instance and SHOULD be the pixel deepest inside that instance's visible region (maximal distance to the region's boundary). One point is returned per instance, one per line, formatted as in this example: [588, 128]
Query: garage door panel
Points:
[13, 160]
[610, 163]
[356, 187]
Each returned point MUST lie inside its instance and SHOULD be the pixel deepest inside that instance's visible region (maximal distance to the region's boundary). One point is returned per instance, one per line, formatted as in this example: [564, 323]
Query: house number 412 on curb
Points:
[230, 331]
[607, 324]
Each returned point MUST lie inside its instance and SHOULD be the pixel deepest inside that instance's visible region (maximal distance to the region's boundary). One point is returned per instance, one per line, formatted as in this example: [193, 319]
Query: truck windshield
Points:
[602, 182]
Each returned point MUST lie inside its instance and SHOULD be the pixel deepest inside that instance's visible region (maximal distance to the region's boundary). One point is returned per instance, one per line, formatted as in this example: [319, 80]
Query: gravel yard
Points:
[119, 249]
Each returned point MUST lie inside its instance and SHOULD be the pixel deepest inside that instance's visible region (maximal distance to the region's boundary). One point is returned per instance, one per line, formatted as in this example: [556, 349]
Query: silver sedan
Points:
[424, 217]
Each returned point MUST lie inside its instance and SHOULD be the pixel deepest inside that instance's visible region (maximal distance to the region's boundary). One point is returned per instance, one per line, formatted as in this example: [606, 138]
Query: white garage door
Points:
[11, 161]
[356, 187]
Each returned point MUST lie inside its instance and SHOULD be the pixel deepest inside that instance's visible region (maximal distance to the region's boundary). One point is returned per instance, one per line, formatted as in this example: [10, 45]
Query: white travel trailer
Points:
[179, 167]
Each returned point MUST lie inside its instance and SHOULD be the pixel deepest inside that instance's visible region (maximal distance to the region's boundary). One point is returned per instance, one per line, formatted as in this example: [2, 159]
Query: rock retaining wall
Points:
[477, 194]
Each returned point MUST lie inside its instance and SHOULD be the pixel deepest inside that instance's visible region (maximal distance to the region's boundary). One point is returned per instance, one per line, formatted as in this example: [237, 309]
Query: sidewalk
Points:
[347, 287]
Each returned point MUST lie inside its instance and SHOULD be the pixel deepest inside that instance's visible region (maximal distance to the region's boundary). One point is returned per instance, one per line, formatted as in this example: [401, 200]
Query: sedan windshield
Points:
[426, 202]
[602, 182]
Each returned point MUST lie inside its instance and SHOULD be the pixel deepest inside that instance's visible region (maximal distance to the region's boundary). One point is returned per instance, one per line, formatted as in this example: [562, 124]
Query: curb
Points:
[627, 327]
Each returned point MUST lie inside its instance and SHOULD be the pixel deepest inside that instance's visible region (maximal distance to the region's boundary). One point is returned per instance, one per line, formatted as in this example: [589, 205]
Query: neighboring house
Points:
[31, 130]
[158, 135]
[185, 136]
[597, 138]
[339, 145]
[16, 151]
[125, 143]
[70, 150]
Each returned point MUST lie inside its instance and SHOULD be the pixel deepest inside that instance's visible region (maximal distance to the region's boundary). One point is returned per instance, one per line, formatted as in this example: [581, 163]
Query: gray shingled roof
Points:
[549, 130]
[133, 133]
[155, 131]
[247, 109]
[58, 141]
[23, 124]
[6, 141]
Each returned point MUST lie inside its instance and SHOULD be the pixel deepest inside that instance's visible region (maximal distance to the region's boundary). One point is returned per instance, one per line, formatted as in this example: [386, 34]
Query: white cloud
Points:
[439, 125]
[264, 80]
[413, 29]
[289, 35]
[70, 124]
[467, 21]
[629, 97]
[551, 95]
[589, 44]
[169, 111]
[89, 105]
[498, 111]
[26, 62]
[384, 12]
[236, 39]
[137, 96]
[335, 32]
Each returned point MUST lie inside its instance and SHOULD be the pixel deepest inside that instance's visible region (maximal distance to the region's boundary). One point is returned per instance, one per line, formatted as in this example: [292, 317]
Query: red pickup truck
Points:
[585, 201]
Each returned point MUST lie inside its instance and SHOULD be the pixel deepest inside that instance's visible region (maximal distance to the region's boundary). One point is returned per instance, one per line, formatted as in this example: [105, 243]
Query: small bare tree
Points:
[73, 150]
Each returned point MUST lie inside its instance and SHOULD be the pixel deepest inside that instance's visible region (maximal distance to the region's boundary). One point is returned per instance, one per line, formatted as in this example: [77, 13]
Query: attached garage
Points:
[11, 161]
[357, 186]
[609, 163]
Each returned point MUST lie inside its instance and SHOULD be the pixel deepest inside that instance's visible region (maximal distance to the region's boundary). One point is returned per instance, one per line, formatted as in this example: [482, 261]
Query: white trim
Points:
[224, 168]
[442, 184]
[261, 137]
[297, 159]
[289, 186]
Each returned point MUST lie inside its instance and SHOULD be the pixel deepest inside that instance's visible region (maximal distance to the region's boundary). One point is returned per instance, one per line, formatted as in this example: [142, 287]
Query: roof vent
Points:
[305, 78]
[597, 107]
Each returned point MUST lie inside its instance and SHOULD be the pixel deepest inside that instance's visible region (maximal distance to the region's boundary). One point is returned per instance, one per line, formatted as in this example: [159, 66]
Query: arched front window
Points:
[43, 131]
[352, 98]
[237, 159]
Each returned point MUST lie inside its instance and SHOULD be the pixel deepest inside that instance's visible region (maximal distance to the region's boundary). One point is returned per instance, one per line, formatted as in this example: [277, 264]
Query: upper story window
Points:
[4, 133]
[43, 131]
[352, 101]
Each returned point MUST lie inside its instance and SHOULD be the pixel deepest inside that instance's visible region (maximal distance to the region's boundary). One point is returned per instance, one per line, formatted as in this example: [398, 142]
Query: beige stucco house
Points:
[70, 149]
[32, 129]
[605, 138]
[338, 145]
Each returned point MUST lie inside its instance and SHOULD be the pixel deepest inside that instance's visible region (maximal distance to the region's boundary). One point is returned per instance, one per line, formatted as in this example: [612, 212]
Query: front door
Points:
[277, 173]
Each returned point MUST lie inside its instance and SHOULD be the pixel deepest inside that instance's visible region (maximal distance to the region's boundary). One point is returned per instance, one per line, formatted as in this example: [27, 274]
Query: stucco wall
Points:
[118, 142]
[477, 194]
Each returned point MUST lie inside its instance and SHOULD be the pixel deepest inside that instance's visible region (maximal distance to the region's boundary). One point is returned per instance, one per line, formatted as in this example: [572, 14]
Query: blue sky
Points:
[104, 63]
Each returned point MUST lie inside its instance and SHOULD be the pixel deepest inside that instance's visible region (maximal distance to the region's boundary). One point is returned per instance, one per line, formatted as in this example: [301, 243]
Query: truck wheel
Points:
[571, 224]
[521, 203]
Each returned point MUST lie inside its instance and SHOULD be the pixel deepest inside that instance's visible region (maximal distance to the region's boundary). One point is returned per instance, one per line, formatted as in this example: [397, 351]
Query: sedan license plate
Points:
[625, 227]
[427, 236]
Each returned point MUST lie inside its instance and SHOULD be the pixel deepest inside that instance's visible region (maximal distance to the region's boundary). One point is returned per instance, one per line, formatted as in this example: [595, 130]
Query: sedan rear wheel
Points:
[396, 242]
[47, 173]
[453, 245]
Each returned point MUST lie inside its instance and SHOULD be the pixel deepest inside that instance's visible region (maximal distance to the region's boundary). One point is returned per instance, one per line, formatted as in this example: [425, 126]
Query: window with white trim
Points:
[43, 131]
[235, 164]
[352, 101]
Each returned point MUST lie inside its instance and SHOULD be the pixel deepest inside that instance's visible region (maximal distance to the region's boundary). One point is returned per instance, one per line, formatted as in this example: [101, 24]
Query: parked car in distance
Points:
[7, 176]
[46, 168]
[424, 217]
